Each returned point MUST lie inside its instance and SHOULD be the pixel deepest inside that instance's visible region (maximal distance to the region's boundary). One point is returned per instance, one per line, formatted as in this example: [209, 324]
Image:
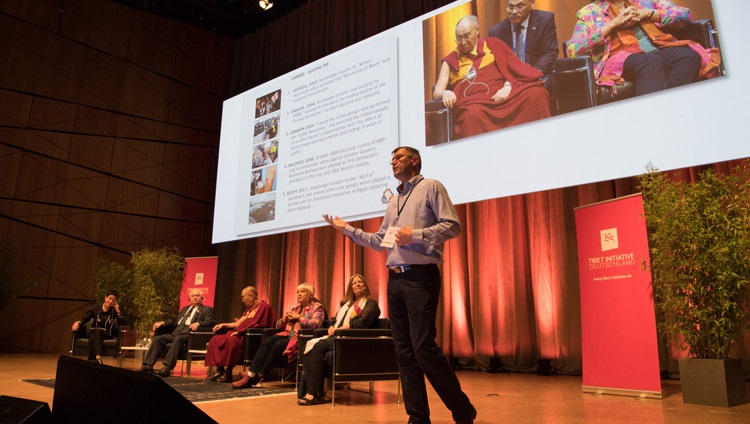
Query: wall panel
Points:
[109, 123]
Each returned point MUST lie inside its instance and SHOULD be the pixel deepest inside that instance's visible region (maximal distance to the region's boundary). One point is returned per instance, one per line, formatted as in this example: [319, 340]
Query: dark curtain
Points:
[510, 280]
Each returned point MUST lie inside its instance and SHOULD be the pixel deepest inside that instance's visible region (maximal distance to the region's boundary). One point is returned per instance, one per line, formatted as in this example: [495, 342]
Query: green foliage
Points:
[113, 276]
[699, 238]
[149, 290]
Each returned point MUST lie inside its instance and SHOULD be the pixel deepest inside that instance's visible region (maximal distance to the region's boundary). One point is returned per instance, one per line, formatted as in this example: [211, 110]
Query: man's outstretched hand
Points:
[335, 222]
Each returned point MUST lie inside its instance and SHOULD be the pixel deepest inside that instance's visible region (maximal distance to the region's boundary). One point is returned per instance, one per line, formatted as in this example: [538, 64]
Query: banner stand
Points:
[618, 323]
[643, 394]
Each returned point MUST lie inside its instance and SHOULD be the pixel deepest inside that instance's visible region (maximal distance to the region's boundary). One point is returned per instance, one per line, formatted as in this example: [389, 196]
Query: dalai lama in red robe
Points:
[225, 347]
[486, 85]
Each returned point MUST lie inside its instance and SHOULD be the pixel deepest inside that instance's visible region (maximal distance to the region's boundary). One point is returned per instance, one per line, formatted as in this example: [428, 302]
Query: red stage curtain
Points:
[510, 280]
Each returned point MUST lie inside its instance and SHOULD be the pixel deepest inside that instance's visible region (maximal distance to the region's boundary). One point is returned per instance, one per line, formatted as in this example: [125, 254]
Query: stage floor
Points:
[499, 398]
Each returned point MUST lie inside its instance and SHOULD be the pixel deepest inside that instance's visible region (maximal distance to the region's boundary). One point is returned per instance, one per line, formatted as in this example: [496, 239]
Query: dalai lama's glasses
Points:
[460, 38]
[471, 77]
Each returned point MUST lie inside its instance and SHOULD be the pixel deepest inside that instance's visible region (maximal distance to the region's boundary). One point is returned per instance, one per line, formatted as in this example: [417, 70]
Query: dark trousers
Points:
[412, 308]
[175, 352]
[665, 68]
[96, 343]
[314, 365]
[269, 354]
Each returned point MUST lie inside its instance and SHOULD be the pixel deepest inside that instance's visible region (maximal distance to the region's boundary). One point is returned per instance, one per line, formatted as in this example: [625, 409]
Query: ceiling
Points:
[231, 18]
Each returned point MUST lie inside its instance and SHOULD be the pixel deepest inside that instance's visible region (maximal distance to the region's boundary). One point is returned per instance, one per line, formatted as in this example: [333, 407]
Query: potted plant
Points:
[699, 242]
[149, 289]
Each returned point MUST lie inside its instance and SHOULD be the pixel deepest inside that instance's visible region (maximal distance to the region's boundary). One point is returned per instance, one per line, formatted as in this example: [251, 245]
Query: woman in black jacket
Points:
[106, 320]
[358, 310]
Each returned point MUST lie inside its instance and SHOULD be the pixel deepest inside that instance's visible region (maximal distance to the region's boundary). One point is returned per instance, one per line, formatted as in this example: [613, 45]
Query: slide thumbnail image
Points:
[268, 104]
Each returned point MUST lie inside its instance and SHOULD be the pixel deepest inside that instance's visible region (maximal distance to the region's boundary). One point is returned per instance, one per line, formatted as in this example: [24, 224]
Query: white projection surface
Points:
[319, 139]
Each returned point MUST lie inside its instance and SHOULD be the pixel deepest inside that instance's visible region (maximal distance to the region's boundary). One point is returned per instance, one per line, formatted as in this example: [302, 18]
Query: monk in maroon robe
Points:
[486, 85]
[225, 347]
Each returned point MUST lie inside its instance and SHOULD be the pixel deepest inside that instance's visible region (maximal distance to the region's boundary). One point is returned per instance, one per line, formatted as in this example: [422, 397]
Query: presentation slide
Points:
[319, 139]
[321, 135]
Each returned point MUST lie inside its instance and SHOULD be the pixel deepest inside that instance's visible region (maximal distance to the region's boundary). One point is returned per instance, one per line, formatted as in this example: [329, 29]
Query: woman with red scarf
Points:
[308, 313]
[358, 310]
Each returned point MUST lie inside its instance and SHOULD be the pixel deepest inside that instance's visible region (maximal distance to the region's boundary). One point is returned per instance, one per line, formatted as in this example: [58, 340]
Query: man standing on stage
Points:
[416, 224]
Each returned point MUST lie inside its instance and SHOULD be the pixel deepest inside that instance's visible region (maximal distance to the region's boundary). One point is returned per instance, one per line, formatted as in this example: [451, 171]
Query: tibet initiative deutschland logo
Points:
[609, 239]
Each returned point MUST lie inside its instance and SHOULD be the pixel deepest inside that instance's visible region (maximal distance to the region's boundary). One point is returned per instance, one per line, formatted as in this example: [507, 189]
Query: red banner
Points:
[620, 354]
[200, 273]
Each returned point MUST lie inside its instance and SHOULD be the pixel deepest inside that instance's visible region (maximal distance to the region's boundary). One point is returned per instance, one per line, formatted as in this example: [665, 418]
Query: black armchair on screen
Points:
[438, 123]
[79, 345]
[576, 84]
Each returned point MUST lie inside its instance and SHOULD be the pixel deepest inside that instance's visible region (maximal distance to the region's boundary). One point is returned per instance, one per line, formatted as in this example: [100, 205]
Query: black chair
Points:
[438, 123]
[79, 345]
[302, 338]
[576, 84]
[252, 340]
[197, 341]
[439, 119]
[362, 355]
[197, 346]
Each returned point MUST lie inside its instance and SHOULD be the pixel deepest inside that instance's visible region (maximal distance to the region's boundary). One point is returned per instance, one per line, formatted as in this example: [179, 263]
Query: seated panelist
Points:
[106, 320]
[486, 85]
[190, 317]
[626, 40]
[358, 310]
[531, 34]
[225, 348]
[307, 313]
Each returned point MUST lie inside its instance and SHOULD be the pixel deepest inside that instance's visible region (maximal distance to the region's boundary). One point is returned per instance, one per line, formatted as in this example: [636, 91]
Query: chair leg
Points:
[189, 362]
[333, 392]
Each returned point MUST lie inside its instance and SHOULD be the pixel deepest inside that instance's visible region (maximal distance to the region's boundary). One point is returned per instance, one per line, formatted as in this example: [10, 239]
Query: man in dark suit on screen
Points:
[530, 33]
[190, 317]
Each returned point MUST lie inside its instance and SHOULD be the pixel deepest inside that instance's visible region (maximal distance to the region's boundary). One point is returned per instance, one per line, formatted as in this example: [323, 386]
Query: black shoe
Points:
[147, 368]
[216, 376]
[314, 401]
[254, 380]
[468, 419]
[226, 378]
[164, 372]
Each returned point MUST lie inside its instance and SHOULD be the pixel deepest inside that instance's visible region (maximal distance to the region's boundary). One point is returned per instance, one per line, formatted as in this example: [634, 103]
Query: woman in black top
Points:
[358, 310]
[106, 320]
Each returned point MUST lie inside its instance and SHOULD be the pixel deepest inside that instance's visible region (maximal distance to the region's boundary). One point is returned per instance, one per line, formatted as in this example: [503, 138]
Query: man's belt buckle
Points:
[400, 269]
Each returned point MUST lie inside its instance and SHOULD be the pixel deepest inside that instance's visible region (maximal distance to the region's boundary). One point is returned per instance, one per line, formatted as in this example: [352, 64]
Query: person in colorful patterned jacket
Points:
[308, 313]
[626, 41]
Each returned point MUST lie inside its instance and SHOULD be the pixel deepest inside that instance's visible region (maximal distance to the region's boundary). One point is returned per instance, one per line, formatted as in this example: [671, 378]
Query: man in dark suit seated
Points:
[531, 34]
[190, 317]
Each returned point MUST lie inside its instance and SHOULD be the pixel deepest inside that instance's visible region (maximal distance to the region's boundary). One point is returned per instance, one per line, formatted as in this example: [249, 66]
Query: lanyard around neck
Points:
[401, 207]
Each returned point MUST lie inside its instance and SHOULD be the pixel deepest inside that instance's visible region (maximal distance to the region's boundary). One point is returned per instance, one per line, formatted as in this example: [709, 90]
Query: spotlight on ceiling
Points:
[265, 4]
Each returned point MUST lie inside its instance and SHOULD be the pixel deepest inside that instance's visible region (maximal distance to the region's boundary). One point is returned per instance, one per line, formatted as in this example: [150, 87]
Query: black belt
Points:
[406, 268]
